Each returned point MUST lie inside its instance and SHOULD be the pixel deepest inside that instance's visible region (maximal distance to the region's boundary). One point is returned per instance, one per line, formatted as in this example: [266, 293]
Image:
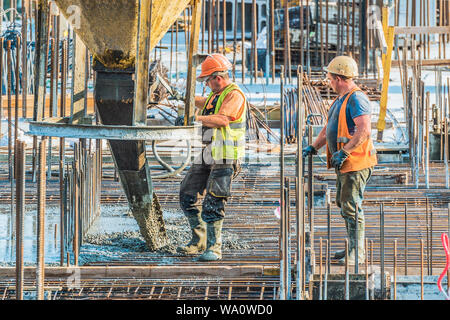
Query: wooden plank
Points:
[79, 83]
[142, 62]
[192, 67]
[432, 62]
[169, 272]
[41, 59]
[421, 30]
[385, 88]
[30, 99]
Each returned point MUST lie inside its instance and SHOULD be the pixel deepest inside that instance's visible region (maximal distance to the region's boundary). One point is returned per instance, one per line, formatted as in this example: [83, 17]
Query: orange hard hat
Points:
[215, 62]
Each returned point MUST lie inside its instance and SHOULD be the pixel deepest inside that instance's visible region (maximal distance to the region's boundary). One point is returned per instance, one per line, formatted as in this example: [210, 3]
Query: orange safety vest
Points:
[365, 156]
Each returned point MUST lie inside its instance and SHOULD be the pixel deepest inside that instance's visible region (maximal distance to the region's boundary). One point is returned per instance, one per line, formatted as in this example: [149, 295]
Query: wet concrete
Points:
[114, 236]
[122, 240]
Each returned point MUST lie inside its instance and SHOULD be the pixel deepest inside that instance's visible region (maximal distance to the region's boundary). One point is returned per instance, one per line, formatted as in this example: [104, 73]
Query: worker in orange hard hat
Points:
[223, 118]
[214, 63]
[350, 150]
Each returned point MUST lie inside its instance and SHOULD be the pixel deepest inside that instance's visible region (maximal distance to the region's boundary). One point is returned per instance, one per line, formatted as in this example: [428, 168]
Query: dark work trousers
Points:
[350, 188]
[215, 180]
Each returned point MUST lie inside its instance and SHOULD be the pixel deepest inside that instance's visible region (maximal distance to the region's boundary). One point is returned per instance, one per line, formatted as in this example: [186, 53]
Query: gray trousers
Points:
[350, 188]
[215, 180]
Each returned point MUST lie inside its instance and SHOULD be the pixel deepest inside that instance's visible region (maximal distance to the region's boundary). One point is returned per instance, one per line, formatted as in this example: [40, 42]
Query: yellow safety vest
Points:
[228, 142]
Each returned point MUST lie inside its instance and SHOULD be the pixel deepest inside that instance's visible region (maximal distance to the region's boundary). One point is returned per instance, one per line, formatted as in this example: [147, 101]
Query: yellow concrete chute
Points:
[109, 27]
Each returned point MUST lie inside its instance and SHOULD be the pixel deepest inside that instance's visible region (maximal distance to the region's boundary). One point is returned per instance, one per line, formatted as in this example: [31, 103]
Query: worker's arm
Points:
[362, 133]
[214, 120]
[321, 139]
[200, 101]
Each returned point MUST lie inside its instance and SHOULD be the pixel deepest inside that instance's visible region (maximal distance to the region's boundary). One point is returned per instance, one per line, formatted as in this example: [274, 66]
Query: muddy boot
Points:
[355, 241]
[341, 253]
[198, 241]
[214, 242]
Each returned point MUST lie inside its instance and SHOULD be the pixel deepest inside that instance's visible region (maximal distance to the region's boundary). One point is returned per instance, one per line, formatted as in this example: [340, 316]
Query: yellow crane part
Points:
[387, 61]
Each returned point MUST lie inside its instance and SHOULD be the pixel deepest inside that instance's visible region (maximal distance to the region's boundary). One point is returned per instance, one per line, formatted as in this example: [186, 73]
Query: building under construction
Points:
[91, 159]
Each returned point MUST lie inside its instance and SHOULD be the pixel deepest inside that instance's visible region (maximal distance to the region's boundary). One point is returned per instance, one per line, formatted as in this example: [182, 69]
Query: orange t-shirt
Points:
[232, 105]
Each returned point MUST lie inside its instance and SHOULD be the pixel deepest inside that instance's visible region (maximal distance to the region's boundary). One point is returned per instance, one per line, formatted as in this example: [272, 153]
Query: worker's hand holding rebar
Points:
[309, 150]
[338, 158]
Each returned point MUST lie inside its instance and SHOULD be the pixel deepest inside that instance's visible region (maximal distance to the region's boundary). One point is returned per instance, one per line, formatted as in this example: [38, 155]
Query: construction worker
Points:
[350, 149]
[223, 118]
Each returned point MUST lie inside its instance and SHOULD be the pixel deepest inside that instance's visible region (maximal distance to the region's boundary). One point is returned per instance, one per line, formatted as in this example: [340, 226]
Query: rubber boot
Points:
[355, 240]
[198, 241]
[214, 242]
[341, 253]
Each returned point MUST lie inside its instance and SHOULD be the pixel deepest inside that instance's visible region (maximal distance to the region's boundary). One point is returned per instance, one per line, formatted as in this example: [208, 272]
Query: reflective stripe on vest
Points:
[363, 156]
[228, 142]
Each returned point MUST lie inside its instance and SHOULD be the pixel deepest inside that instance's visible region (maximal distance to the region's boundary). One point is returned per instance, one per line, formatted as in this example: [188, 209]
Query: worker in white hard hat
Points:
[350, 150]
[223, 118]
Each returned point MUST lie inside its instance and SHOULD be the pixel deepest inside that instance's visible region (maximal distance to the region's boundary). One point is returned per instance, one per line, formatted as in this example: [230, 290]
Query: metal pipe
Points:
[287, 248]
[243, 39]
[353, 27]
[24, 62]
[235, 20]
[371, 267]
[383, 280]
[427, 141]
[406, 241]
[338, 26]
[176, 49]
[40, 269]
[308, 55]
[62, 151]
[366, 264]
[217, 25]
[446, 151]
[203, 27]
[303, 250]
[320, 270]
[431, 240]
[267, 56]
[347, 284]
[328, 196]
[286, 37]
[1, 79]
[395, 269]
[17, 96]
[356, 239]
[327, 258]
[421, 269]
[427, 230]
[347, 22]
[300, 191]
[310, 186]
[224, 13]
[322, 62]
[10, 139]
[20, 205]
[282, 192]
[272, 38]
[326, 31]
[254, 35]
[9, 72]
[76, 196]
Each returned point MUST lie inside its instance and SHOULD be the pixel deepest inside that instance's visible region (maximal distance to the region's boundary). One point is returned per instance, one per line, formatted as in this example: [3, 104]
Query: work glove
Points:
[338, 158]
[309, 150]
[179, 121]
